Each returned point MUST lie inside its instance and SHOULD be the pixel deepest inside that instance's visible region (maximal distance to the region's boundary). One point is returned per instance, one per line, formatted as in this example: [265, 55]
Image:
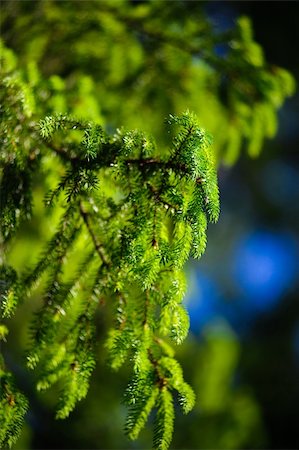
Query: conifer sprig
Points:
[13, 407]
[164, 205]
[131, 218]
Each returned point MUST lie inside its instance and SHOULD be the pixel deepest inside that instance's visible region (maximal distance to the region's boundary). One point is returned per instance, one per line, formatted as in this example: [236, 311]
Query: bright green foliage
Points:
[138, 58]
[13, 407]
[132, 214]
[140, 406]
[164, 420]
[8, 290]
[124, 213]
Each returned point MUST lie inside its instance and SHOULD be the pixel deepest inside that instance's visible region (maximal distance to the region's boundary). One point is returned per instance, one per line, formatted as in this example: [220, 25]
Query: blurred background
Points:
[244, 295]
[242, 355]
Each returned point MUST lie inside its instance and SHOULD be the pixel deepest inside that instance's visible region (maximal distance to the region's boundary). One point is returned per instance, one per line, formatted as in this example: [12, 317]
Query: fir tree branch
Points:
[183, 142]
[161, 380]
[157, 196]
[174, 40]
[122, 303]
[155, 163]
[99, 247]
[63, 153]
[146, 308]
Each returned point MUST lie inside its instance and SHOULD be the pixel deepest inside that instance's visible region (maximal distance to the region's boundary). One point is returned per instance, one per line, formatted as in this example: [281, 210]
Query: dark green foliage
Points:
[16, 170]
[9, 290]
[13, 407]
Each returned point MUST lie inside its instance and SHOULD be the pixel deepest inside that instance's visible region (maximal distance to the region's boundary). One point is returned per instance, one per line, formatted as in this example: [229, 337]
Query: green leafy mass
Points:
[131, 217]
[126, 213]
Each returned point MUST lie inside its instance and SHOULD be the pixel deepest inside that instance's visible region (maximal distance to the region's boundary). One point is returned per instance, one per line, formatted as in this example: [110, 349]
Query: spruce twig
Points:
[98, 247]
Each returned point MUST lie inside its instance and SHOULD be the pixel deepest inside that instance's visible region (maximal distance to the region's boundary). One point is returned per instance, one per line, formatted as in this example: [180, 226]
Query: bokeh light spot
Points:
[264, 267]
